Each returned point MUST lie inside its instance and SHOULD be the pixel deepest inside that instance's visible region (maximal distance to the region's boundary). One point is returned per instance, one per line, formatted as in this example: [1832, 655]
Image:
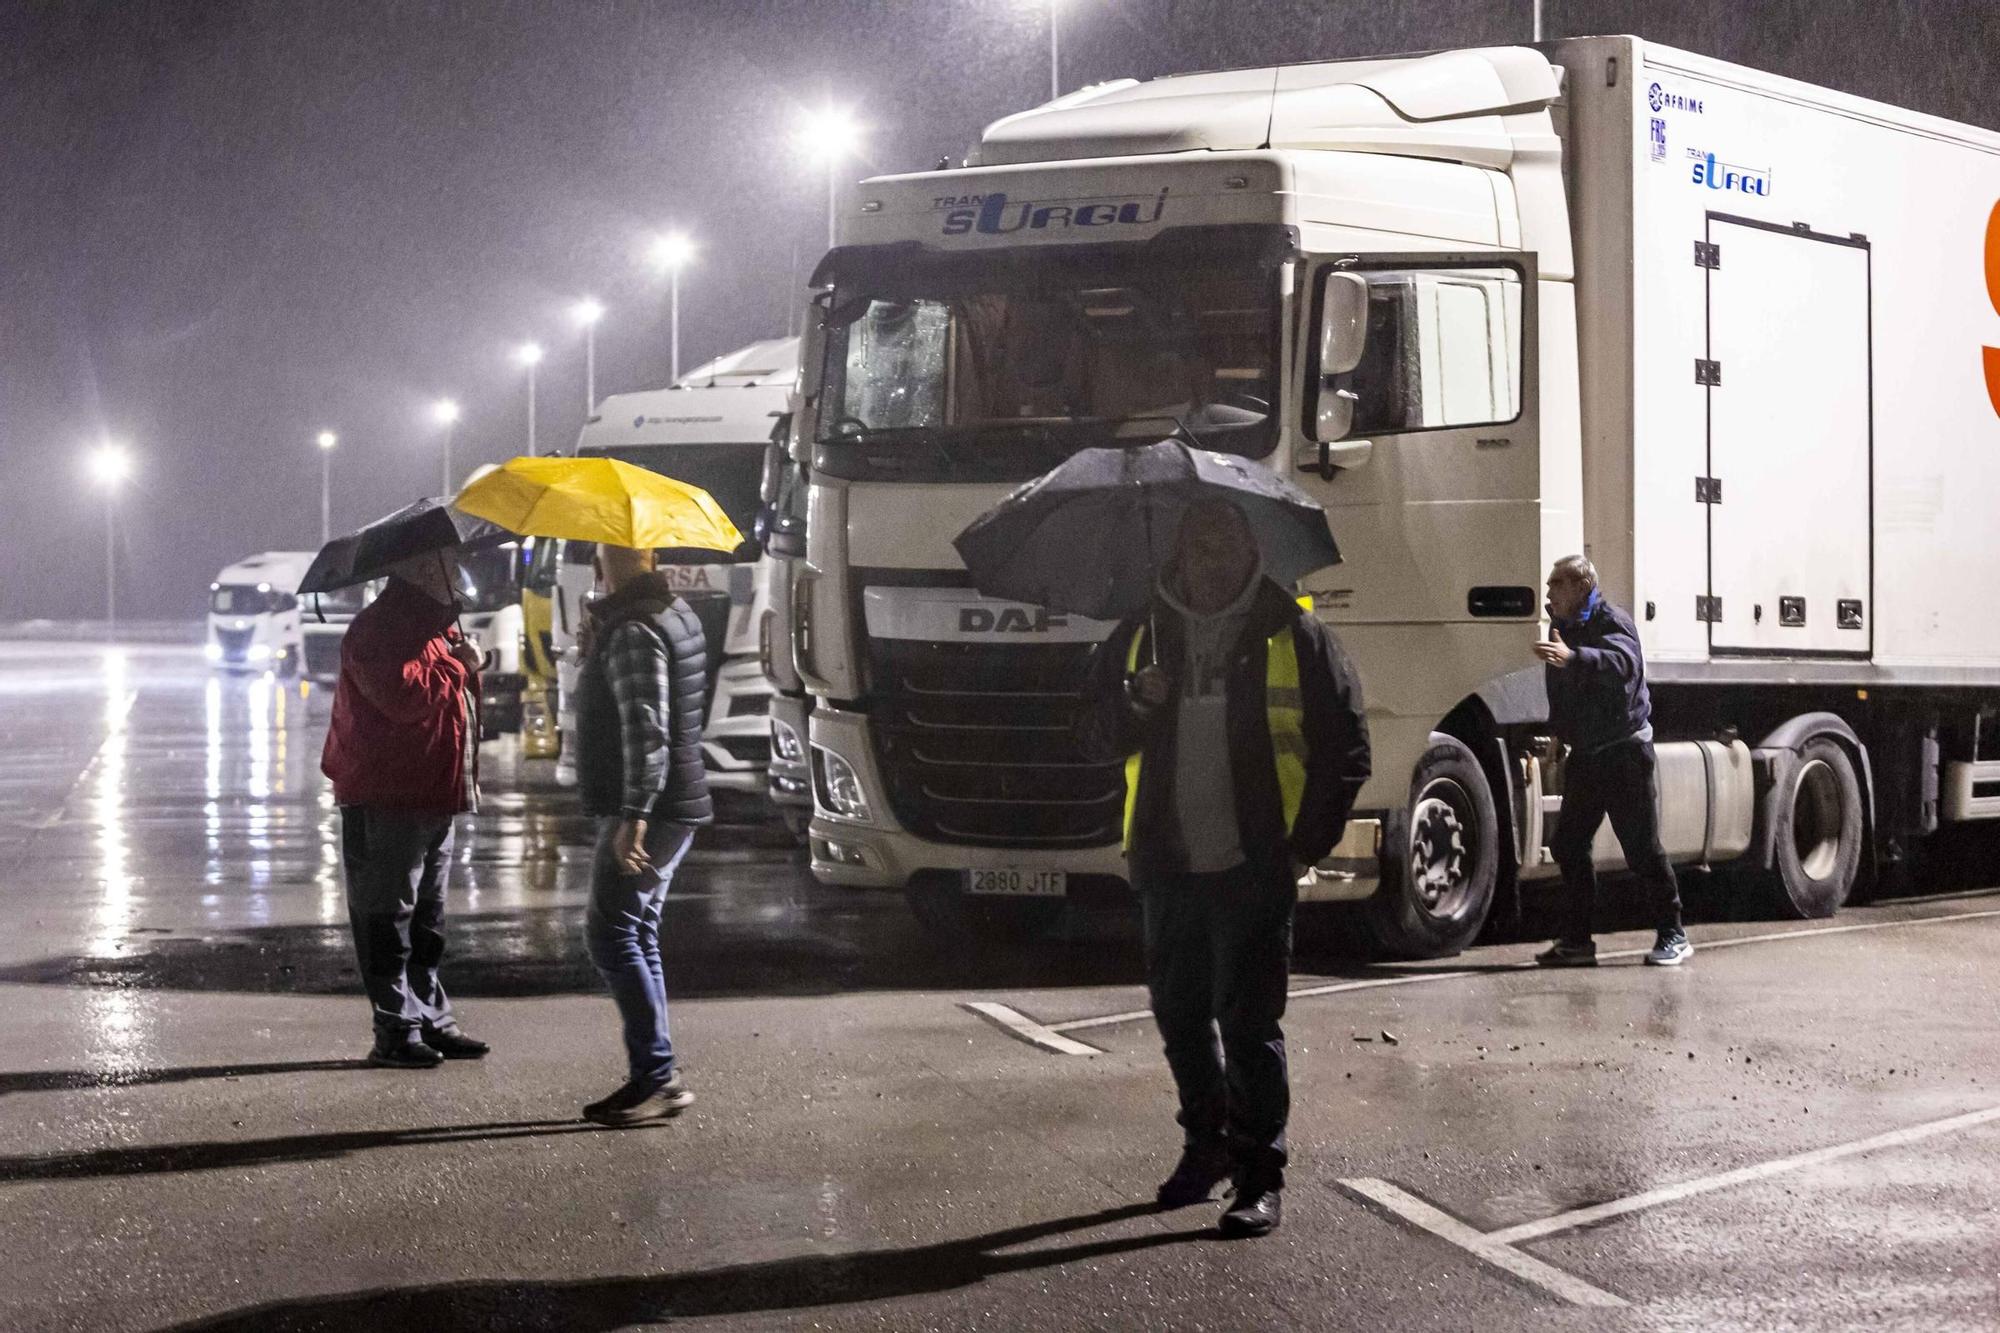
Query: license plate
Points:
[1018, 883]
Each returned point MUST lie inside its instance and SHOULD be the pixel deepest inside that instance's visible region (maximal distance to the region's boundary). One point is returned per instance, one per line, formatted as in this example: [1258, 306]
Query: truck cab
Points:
[254, 623]
[1482, 305]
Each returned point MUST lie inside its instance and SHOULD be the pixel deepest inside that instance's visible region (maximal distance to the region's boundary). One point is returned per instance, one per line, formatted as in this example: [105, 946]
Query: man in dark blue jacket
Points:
[1599, 709]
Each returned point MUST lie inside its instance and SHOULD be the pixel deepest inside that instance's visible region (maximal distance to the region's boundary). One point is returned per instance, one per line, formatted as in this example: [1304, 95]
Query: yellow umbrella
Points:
[598, 500]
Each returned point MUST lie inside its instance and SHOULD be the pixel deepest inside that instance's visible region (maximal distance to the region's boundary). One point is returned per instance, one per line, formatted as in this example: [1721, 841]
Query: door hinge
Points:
[1707, 254]
[1708, 374]
[1708, 610]
[1708, 490]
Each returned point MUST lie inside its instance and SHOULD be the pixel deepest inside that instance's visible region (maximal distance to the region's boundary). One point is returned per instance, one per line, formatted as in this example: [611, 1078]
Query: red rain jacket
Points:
[400, 711]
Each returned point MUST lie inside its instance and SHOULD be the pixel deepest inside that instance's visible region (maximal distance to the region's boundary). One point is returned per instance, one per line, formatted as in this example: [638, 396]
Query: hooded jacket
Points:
[1600, 698]
[1110, 726]
[401, 707]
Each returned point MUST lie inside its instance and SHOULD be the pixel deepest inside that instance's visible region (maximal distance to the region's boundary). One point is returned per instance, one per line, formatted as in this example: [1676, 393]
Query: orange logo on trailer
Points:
[1993, 295]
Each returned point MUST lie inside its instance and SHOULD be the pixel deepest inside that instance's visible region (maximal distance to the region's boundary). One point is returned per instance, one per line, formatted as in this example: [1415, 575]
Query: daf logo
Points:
[1008, 620]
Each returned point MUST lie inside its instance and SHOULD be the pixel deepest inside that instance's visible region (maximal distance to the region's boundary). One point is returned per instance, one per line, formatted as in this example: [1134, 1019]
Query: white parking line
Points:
[1498, 1247]
[1583, 1217]
[1049, 1036]
[1524, 1266]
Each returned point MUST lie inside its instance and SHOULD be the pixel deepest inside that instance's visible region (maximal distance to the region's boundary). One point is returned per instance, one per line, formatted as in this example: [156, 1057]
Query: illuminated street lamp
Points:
[327, 441]
[109, 466]
[530, 355]
[831, 135]
[587, 312]
[445, 412]
[670, 253]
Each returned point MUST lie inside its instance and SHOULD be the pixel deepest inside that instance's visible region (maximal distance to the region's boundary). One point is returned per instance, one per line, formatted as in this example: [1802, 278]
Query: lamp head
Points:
[327, 439]
[670, 251]
[587, 311]
[445, 412]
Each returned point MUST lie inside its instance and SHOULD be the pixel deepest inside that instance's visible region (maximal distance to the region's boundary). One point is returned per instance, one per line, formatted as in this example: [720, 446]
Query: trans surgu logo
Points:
[996, 215]
[1728, 176]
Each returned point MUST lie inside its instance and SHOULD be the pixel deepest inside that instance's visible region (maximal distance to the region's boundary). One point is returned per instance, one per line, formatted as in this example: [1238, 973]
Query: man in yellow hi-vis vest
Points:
[1243, 724]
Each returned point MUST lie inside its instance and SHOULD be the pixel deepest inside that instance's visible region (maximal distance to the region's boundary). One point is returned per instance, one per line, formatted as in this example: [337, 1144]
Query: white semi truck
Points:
[1720, 330]
[710, 428]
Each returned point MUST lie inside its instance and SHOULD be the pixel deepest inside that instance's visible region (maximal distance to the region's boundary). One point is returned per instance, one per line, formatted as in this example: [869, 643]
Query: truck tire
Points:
[1816, 833]
[1440, 859]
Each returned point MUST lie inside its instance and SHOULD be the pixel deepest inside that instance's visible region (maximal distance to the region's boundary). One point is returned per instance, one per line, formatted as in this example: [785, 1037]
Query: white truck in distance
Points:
[1720, 330]
[710, 428]
[253, 614]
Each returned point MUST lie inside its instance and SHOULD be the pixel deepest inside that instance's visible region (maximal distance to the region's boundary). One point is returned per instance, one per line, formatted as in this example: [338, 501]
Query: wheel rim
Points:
[1441, 848]
[1816, 819]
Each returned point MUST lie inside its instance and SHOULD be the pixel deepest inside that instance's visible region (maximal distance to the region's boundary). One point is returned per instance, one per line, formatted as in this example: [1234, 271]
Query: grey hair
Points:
[1576, 567]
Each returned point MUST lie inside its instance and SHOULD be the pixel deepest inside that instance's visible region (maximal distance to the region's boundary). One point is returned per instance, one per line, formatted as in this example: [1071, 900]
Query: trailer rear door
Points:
[1790, 441]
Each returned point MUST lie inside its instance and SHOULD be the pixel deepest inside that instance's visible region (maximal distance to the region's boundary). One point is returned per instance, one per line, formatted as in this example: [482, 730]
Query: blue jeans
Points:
[621, 930]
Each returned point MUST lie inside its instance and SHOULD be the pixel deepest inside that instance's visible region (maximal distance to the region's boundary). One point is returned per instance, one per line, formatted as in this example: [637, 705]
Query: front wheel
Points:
[1816, 833]
[1440, 859]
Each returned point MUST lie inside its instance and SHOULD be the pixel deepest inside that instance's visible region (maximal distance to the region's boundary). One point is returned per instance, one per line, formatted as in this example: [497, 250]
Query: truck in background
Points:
[253, 614]
[326, 618]
[489, 593]
[1717, 329]
[710, 428]
[782, 520]
[540, 736]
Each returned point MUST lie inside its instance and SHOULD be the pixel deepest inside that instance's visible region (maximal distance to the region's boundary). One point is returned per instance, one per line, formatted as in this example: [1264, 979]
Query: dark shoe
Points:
[639, 1103]
[1561, 954]
[1202, 1167]
[454, 1045]
[1256, 1212]
[410, 1054]
[1671, 949]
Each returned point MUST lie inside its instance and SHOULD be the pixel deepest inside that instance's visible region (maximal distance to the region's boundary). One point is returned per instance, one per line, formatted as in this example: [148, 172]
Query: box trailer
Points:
[1728, 334]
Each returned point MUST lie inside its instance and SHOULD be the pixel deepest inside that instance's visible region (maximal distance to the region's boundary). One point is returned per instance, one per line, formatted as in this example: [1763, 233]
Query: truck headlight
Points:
[260, 652]
[212, 651]
[839, 786]
[785, 742]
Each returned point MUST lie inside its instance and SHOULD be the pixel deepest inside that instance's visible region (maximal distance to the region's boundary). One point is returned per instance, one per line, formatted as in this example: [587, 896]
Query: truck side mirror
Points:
[1343, 337]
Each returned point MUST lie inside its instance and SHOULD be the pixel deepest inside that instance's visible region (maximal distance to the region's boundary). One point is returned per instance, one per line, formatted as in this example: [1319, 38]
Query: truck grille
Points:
[974, 742]
[235, 643]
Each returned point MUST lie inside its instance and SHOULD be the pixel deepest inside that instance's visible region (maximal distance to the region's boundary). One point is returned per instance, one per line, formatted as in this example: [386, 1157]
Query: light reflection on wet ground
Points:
[166, 827]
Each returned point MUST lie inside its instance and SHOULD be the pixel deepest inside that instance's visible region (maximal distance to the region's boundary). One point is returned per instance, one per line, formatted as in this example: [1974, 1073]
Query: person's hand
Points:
[1150, 686]
[1555, 652]
[628, 845]
[468, 655]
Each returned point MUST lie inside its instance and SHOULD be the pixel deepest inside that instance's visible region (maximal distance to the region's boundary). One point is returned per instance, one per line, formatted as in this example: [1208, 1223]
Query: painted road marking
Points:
[1498, 1248]
[1027, 1029]
[1504, 1257]
[1049, 1036]
[1583, 1217]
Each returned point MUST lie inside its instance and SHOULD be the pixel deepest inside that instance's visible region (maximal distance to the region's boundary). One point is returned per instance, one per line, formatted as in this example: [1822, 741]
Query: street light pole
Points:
[670, 253]
[832, 134]
[530, 355]
[110, 465]
[1055, 56]
[327, 440]
[674, 325]
[587, 312]
[1538, 20]
[445, 413]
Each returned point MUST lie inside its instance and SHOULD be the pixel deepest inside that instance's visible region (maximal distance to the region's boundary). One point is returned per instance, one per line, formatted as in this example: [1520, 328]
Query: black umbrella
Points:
[1090, 537]
[417, 529]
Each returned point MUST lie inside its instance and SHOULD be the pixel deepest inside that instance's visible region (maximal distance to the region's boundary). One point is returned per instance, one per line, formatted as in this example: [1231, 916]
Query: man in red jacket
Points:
[403, 754]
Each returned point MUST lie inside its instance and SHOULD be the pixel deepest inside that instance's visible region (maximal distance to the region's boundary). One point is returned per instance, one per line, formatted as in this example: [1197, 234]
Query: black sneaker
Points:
[640, 1103]
[1562, 954]
[1256, 1212]
[409, 1054]
[1671, 949]
[454, 1045]
[1202, 1167]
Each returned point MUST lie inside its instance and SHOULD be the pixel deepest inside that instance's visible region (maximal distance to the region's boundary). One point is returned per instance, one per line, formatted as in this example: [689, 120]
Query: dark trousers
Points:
[1621, 781]
[397, 864]
[1218, 957]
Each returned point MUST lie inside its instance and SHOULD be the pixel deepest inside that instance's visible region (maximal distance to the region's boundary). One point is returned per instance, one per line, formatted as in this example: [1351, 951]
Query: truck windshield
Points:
[961, 353]
[732, 473]
[248, 599]
[489, 579]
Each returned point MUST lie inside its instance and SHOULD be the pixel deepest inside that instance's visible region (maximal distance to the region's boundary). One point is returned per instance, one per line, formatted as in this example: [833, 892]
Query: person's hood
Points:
[648, 594]
[412, 607]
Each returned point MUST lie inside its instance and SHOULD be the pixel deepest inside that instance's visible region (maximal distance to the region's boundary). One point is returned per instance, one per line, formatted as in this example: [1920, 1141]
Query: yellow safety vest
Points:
[1284, 711]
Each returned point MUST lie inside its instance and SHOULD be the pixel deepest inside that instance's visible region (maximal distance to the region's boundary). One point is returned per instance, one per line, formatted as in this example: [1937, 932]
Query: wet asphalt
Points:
[188, 1137]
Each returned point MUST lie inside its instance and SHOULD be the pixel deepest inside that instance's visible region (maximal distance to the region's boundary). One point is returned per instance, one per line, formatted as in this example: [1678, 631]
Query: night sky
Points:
[228, 226]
